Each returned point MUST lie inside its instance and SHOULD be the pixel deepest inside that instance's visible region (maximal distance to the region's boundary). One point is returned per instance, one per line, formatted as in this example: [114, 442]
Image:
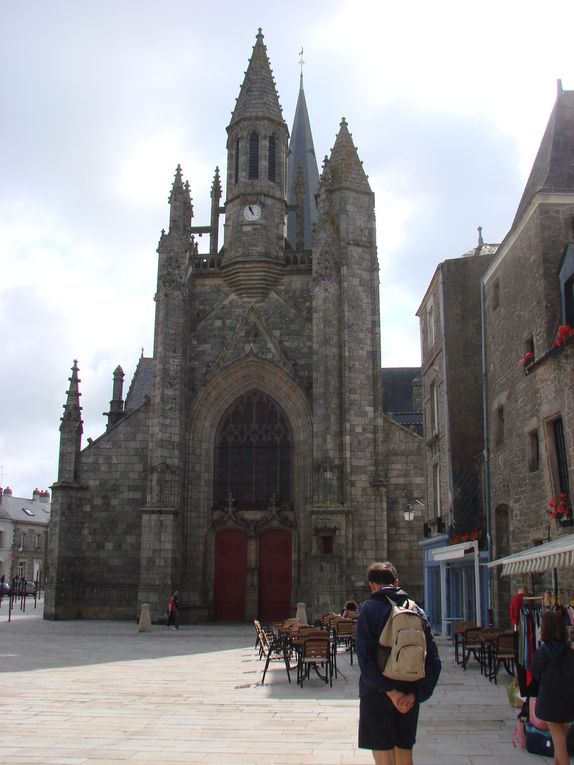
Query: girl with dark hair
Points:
[553, 667]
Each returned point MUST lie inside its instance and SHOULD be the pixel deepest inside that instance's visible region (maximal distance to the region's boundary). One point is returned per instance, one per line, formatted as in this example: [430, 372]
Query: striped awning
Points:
[559, 553]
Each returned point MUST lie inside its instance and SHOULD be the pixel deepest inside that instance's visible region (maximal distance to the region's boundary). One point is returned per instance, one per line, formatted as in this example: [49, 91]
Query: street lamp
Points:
[409, 511]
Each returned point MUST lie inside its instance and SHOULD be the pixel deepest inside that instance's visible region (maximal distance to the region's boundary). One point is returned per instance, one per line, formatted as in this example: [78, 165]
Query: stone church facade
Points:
[250, 465]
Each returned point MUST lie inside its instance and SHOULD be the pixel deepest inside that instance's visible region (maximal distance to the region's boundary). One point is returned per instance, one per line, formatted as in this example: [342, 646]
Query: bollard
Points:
[144, 624]
[301, 614]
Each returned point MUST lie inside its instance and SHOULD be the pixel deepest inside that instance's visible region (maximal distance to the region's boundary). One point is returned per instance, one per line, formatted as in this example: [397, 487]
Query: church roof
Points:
[302, 155]
[345, 167]
[258, 95]
[553, 169]
[141, 385]
[397, 388]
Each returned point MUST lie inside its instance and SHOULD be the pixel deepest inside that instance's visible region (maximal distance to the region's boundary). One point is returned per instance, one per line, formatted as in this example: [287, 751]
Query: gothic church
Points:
[250, 465]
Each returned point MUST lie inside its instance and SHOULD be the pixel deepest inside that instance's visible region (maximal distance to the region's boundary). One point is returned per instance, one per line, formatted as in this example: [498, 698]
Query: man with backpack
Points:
[393, 642]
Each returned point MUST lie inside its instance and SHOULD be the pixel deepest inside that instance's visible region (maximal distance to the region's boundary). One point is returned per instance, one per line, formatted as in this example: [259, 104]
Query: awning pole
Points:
[477, 585]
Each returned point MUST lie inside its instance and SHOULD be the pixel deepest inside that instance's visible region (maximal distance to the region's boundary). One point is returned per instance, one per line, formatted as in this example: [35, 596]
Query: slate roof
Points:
[302, 154]
[553, 169]
[22, 510]
[141, 385]
[397, 396]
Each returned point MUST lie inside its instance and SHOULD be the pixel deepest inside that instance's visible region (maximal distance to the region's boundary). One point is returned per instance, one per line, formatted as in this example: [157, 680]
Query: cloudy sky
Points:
[447, 103]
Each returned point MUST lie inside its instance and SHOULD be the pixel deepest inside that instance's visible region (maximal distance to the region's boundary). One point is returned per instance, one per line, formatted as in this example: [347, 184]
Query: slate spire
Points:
[553, 169]
[302, 162]
[345, 167]
[258, 95]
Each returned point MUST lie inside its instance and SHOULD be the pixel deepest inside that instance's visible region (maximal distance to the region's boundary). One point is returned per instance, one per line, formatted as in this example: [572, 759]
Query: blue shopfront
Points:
[455, 583]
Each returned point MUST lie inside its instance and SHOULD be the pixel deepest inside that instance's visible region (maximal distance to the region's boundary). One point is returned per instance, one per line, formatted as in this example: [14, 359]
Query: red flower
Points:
[563, 334]
[526, 359]
[559, 506]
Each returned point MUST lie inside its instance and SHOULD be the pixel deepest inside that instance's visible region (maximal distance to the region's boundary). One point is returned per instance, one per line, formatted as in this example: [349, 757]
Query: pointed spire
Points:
[72, 406]
[216, 186]
[302, 155]
[553, 169]
[480, 239]
[345, 167]
[258, 95]
[181, 208]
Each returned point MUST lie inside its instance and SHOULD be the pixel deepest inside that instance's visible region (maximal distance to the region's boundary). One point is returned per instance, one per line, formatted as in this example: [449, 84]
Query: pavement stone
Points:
[102, 693]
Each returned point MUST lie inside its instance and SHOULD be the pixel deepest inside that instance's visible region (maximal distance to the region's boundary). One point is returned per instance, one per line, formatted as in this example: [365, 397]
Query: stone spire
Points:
[345, 167]
[181, 208]
[215, 211]
[302, 157]
[116, 404]
[71, 429]
[258, 95]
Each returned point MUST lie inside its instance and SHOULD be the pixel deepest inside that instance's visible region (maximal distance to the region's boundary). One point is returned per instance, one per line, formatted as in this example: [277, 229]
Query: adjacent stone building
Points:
[250, 465]
[452, 392]
[24, 535]
[528, 311]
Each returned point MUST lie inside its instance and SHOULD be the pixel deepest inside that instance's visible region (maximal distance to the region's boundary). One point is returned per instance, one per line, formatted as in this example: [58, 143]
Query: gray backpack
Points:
[402, 644]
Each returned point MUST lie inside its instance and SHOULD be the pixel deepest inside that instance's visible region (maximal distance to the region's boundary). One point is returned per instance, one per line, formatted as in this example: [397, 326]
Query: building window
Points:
[253, 156]
[436, 489]
[272, 160]
[37, 541]
[496, 294]
[23, 540]
[560, 454]
[430, 326]
[327, 545]
[21, 569]
[499, 425]
[529, 345]
[236, 160]
[253, 454]
[434, 409]
[566, 279]
[533, 451]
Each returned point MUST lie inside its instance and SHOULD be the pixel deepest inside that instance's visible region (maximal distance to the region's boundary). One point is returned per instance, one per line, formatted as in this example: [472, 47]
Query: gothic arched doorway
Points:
[230, 576]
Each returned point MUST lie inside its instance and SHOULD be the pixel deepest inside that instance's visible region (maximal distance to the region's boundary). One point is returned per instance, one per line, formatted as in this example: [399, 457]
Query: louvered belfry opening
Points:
[253, 454]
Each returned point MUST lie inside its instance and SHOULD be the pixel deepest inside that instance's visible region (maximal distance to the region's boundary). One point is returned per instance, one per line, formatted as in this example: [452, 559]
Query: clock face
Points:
[252, 212]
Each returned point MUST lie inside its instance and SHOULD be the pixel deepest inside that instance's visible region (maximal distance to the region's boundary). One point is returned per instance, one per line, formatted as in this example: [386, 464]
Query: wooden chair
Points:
[274, 649]
[315, 654]
[345, 635]
[503, 655]
[458, 637]
[471, 645]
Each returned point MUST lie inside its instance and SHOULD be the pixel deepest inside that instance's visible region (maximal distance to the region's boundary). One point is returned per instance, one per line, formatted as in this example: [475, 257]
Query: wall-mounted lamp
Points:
[409, 511]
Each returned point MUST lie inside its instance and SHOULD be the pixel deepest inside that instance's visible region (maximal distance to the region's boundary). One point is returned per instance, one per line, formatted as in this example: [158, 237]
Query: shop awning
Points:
[452, 552]
[559, 553]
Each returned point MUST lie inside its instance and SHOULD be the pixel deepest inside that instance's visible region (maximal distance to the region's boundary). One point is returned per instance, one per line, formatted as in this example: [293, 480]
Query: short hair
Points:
[351, 605]
[382, 573]
[553, 627]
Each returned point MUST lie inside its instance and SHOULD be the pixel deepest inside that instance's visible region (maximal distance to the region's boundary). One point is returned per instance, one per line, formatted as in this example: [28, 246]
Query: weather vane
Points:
[301, 62]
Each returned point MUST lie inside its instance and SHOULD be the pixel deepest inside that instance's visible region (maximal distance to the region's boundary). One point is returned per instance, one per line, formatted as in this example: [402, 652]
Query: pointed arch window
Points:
[253, 156]
[236, 160]
[253, 453]
[272, 159]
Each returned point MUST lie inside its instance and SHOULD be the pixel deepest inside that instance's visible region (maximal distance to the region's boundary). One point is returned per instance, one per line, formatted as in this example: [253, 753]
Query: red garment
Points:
[515, 606]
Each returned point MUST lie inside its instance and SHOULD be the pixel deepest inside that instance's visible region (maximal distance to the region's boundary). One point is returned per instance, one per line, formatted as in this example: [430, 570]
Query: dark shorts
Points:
[383, 727]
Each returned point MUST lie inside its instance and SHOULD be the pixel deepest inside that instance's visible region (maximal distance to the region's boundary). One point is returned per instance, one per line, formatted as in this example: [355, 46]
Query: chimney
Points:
[8, 491]
[36, 494]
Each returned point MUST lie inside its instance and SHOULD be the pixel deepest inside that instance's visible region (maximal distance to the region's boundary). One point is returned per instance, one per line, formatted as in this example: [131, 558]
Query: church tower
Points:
[245, 467]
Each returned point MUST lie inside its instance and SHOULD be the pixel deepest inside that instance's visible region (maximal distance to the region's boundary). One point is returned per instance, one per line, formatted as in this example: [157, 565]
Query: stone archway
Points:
[200, 510]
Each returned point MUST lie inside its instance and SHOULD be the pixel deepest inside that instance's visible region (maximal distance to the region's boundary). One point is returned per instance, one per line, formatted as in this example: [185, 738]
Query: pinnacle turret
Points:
[258, 95]
[72, 408]
[345, 167]
[181, 208]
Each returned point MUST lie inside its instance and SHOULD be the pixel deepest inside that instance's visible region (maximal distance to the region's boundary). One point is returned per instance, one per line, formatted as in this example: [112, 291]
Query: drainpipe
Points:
[486, 451]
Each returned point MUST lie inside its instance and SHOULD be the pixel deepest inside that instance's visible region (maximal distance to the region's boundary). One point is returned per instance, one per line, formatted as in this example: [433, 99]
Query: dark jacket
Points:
[553, 667]
[372, 618]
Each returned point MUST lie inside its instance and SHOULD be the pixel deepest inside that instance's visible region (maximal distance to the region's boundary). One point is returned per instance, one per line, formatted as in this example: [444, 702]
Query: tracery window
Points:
[253, 453]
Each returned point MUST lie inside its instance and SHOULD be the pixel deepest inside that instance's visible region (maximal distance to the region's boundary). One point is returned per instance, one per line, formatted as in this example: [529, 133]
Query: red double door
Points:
[231, 576]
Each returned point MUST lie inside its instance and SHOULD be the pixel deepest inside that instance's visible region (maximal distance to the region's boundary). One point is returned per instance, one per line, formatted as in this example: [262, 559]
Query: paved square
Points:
[102, 693]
